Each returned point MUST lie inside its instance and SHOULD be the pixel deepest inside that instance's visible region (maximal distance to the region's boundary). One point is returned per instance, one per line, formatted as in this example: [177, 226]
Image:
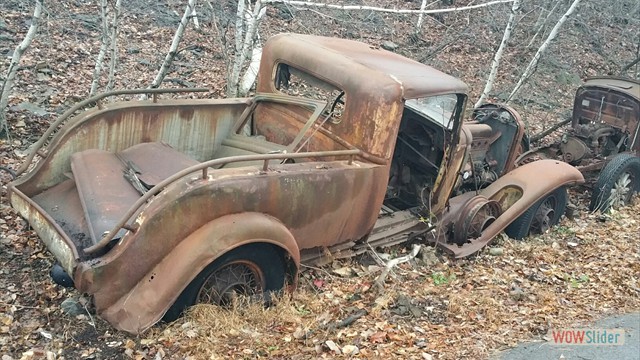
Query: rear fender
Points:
[519, 189]
[147, 302]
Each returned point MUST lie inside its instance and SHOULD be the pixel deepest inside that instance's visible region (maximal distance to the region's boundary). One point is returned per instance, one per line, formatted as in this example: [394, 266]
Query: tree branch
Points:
[103, 48]
[534, 62]
[114, 46]
[177, 37]
[394, 262]
[496, 59]
[379, 9]
[7, 86]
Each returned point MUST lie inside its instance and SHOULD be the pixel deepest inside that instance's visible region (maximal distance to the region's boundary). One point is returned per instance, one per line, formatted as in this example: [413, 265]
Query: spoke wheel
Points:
[250, 271]
[617, 183]
[543, 219]
[226, 284]
[540, 217]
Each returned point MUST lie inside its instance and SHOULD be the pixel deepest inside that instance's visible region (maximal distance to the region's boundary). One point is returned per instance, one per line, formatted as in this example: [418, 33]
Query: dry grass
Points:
[581, 271]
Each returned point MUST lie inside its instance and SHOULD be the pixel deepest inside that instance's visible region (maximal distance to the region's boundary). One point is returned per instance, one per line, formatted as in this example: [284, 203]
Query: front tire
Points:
[540, 217]
[251, 270]
[617, 183]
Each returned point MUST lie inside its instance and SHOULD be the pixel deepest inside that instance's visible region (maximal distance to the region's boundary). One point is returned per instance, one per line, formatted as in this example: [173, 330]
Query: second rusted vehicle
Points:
[152, 206]
[602, 141]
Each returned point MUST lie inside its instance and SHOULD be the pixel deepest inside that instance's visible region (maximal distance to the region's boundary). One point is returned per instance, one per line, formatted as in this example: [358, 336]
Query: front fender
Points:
[147, 302]
[519, 189]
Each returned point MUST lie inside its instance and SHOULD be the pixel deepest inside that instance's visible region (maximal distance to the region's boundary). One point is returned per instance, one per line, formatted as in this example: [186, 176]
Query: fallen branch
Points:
[394, 262]
[7, 86]
[346, 322]
[537, 137]
[379, 9]
[629, 65]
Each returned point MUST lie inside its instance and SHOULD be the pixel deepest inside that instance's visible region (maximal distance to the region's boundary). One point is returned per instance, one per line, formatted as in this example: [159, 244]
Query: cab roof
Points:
[357, 60]
[625, 85]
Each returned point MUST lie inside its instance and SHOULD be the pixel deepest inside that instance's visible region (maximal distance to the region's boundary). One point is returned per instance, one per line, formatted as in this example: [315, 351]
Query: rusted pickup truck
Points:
[152, 206]
[603, 140]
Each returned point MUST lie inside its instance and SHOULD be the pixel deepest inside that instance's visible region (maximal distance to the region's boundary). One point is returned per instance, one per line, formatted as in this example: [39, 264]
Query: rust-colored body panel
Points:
[515, 193]
[162, 284]
[375, 81]
[194, 127]
[318, 213]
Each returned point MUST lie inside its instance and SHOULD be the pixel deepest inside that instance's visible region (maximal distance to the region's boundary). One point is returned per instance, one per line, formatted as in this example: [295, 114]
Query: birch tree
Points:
[246, 47]
[104, 42]
[495, 64]
[10, 78]
[109, 39]
[173, 50]
[536, 58]
[114, 46]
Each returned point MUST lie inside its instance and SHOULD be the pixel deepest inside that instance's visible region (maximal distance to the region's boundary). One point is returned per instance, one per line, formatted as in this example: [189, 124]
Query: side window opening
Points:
[291, 81]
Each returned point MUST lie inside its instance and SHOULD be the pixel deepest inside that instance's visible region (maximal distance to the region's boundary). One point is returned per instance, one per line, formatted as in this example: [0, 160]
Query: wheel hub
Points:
[621, 191]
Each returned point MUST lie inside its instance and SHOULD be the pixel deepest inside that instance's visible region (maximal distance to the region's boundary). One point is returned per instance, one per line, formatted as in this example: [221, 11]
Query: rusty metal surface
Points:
[104, 193]
[605, 121]
[196, 211]
[62, 203]
[37, 146]
[146, 302]
[319, 212]
[204, 167]
[375, 81]
[515, 193]
[47, 229]
[611, 101]
[193, 127]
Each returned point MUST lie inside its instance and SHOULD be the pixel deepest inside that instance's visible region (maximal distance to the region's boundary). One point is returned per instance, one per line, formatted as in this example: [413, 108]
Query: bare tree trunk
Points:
[251, 73]
[245, 49]
[534, 62]
[421, 16]
[15, 60]
[177, 37]
[496, 59]
[196, 22]
[103, 48]
[114, 46]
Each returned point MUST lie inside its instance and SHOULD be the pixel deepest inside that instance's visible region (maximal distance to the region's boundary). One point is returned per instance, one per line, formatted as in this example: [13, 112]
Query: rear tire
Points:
[540, 217]
[617, 183]
[251, 270]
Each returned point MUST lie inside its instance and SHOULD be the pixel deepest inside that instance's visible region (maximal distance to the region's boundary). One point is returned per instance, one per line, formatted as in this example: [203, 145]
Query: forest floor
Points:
[431, 308]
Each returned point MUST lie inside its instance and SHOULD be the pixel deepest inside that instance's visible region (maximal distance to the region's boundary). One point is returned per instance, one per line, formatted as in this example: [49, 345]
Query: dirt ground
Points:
[433, 307]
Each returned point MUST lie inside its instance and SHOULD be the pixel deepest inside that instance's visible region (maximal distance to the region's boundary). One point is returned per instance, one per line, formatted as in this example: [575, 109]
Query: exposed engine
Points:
[491, 138]
[586, 141]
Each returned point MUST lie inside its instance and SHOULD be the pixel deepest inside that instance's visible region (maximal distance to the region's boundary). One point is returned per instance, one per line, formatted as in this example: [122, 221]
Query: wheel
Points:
[252, 270]
[617, 182]
[540, 217]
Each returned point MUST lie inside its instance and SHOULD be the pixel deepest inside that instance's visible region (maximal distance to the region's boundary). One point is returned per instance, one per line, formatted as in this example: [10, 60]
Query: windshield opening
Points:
[439, 109]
